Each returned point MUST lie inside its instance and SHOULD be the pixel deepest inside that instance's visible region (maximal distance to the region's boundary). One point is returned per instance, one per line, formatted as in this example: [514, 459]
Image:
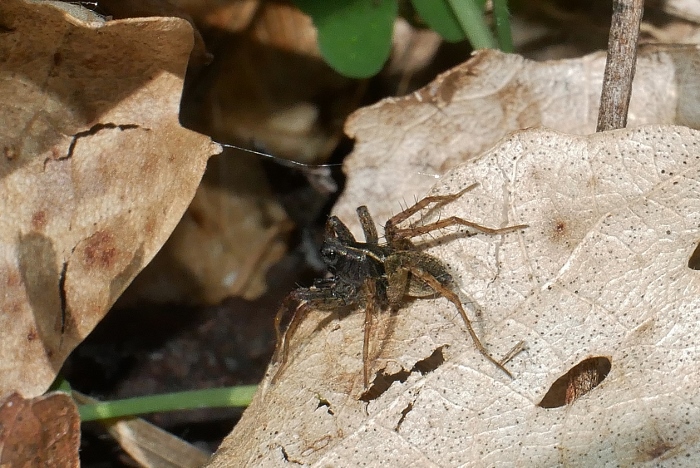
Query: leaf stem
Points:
[502, 17]
[209, 398]
[471, 19]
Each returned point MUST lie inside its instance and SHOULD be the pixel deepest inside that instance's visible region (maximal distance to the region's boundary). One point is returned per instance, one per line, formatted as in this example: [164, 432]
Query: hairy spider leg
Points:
[322, 296]
[368, 226]
[429, 279]
[370, 307]
[282, 350]
[452, 221]
[390, 226]
[334, 226]
[394, 233]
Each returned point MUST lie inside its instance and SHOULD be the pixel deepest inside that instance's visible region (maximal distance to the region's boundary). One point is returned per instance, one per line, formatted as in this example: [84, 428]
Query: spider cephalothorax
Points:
[376, 276]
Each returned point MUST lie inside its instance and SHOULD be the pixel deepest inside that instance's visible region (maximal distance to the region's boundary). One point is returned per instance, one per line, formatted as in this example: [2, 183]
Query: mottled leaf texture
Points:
[95, 171]
[41, 431]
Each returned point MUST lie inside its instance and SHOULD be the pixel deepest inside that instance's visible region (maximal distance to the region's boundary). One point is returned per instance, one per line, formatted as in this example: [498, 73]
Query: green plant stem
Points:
[472, 21]
[60, 385]
[502, 16]
[209, 398]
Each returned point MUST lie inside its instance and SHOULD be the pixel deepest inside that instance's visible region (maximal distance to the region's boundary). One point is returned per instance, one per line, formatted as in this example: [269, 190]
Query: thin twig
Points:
[620, 64]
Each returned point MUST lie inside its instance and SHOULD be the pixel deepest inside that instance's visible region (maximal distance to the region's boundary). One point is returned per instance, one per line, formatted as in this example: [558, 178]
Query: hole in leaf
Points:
[694, 260]
[383, 381]
[323, 402]
[581, 379]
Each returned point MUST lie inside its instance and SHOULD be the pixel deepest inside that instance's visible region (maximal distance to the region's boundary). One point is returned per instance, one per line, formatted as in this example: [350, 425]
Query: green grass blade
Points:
[194, 399]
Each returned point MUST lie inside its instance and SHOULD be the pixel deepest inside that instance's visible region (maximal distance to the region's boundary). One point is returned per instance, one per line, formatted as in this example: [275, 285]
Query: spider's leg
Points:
[370, 307]
[390, 227]
[336, 228]
[451, 221]
[286, 306]
[368, 226]
[281, 354]
[325, 295]
[443, 290]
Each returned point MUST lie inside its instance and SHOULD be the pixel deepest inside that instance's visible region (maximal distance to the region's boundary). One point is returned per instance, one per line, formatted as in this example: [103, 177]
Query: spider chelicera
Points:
[373, 275]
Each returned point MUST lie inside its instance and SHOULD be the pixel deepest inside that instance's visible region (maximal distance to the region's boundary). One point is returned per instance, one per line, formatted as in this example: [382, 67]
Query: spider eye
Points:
[330, 257]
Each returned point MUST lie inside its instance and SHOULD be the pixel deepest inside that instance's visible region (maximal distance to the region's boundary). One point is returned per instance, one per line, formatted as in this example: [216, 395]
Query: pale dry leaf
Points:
[687, 9]
[95, 172]
[601, 272]
[41, 431]
[403, 145]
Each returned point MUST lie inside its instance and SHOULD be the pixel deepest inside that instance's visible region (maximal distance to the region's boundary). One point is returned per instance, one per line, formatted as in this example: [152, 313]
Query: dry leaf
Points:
[402, 145]
[601, 272]
[687, 9]
[43, 431]
[95, 173]
[119, 9]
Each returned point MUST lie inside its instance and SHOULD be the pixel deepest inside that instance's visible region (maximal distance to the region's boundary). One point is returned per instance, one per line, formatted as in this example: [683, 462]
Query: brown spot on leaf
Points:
[39, 220]
[10, 152]
[100, 251]
[13, 279]
[150, 227]
[656, 450]
[560, 227]
[448, 88]
[560, 231]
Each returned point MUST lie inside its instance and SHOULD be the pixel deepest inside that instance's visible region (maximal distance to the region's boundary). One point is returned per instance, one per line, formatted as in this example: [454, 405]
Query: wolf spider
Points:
[378, 276]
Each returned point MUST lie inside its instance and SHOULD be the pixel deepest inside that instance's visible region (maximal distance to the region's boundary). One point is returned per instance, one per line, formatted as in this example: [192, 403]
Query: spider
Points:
[374, 275]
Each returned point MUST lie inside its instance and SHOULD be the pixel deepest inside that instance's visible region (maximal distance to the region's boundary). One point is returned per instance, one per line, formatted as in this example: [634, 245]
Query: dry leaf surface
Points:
[95, 172]
[601, 272]
[402, 145]
[687, 9]
[42, 431]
